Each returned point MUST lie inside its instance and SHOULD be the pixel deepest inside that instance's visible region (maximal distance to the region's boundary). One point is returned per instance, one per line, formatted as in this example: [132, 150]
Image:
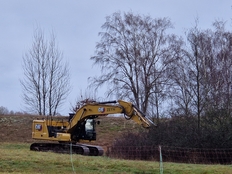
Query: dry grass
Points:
[16, 128]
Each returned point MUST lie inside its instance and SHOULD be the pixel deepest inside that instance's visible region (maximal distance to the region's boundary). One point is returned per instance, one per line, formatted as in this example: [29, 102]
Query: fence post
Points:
[161, 160]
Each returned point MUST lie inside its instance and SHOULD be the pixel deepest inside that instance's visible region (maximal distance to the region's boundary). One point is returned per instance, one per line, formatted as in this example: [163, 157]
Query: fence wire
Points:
[172, 154]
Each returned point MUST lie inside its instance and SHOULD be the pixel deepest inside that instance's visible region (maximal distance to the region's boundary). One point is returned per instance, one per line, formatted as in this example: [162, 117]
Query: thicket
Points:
[215, 132]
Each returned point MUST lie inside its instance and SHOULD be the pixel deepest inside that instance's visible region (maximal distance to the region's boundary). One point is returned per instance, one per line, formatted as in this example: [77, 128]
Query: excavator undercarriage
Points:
[82, 149]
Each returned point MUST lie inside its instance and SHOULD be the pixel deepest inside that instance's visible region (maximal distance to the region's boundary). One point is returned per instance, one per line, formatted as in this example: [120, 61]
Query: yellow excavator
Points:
[81, 127]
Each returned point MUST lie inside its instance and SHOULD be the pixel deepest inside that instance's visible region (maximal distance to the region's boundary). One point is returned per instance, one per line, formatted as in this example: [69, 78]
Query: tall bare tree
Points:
[46, 82]
[222, 52]
[203, 76]
[134, 54]
[192, 75]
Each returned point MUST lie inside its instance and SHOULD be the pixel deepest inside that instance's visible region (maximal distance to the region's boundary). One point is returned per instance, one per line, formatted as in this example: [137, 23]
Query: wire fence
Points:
[172, 154]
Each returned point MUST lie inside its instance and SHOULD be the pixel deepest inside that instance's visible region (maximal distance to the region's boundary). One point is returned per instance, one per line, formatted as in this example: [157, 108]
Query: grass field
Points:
[17, 158]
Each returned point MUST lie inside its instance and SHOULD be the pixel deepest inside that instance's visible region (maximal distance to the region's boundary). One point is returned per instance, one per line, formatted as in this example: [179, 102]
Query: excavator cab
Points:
[90, 129]
[85, 130]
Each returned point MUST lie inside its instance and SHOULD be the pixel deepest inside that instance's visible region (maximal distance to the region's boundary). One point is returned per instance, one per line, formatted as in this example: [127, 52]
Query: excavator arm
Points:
[135, 114]
[107, 108]
[80, 125]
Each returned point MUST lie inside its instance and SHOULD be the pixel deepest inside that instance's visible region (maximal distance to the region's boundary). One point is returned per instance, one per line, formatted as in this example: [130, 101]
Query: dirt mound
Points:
[14, 128]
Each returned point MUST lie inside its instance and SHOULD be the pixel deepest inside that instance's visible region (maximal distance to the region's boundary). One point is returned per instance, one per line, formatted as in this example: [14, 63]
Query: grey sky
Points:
[76, 25]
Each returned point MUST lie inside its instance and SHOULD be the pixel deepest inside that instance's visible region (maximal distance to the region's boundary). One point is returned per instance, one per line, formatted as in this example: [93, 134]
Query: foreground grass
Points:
[17, 158]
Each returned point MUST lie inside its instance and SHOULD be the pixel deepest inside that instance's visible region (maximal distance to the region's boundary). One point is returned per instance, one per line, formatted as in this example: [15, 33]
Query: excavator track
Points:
[82, 149]
[93, 150]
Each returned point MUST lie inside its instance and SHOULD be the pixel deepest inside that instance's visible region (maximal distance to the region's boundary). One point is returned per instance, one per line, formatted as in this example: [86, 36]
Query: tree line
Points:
[180, 77]
[182, 82]
[163, 73]
[6, 111]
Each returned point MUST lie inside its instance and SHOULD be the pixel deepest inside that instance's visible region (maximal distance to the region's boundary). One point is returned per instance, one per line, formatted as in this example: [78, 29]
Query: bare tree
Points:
[46, 82]
[180, 93]
[192, 75]
[3, 110]
[83, 98]
[203, 77]
[221, 92]
[134, 54]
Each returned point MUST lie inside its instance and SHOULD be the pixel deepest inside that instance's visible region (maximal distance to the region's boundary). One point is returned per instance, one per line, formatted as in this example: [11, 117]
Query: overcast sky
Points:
[76, 24]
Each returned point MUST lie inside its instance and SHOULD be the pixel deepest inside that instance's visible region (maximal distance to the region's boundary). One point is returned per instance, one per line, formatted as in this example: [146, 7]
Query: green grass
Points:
[17, 158]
